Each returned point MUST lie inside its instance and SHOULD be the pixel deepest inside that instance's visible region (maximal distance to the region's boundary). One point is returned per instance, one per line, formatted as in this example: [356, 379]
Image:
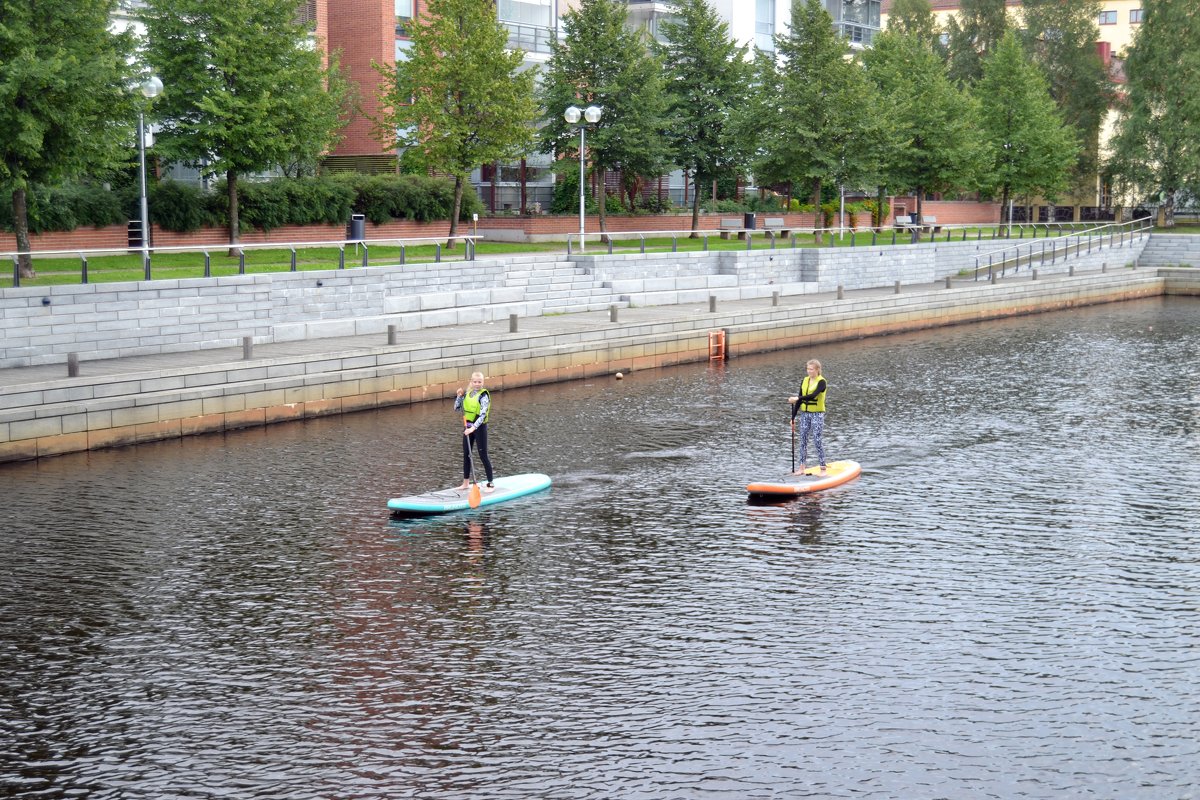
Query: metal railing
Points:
[361, 254]
[1036, 253]
[844, 236]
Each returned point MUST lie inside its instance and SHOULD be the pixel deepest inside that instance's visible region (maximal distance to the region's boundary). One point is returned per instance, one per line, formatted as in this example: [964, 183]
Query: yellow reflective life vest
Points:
[471, 405]
[817, 404]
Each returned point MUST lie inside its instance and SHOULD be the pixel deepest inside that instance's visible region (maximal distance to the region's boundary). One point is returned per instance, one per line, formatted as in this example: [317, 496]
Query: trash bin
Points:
[356, 231]
[750, 221]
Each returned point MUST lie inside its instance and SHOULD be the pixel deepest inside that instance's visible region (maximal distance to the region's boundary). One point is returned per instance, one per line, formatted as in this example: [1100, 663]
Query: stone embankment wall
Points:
[43, 325]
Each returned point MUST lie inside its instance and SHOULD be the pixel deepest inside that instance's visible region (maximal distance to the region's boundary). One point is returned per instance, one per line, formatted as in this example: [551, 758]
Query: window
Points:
[1108, 17]
[526, 12]
[1135, 16]
[764, 25]
[404, 15]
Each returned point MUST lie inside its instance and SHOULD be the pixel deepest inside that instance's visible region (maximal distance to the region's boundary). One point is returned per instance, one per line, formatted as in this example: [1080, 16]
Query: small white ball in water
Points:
[619, 376]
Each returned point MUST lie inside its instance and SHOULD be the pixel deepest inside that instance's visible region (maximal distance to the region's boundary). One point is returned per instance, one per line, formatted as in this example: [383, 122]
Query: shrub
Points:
[66, 207]
[179, 207]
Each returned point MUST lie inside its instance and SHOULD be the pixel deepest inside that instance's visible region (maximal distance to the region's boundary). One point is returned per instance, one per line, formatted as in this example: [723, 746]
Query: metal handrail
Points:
[1011, 256]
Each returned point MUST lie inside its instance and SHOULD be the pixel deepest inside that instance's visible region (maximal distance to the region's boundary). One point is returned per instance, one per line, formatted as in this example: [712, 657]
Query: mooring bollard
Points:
[72, 365]
[992, 277]
[897, 287]
[1104, 266]
[512, 323]
[391, 334]
[947, 281]
[774, 298]
[712, 303]
[612, 313]
[1070, 270]
[1034, 273]
[841, 292]
[247, 347]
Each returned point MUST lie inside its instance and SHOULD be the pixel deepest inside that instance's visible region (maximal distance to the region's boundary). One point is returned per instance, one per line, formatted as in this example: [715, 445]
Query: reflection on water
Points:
[1002, 605]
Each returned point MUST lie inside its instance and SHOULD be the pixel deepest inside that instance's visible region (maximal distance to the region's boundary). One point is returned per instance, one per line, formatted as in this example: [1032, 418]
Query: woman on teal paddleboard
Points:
[475, 404]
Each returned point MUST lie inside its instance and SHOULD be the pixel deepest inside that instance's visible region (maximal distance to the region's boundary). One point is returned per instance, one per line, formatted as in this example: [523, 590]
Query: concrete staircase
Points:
[560, 286]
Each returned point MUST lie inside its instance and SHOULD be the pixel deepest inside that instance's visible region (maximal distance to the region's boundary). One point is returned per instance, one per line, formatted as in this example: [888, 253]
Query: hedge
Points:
[182, 208]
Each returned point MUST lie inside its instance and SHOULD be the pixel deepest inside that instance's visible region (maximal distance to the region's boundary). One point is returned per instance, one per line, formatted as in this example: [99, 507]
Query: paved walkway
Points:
[13, 378]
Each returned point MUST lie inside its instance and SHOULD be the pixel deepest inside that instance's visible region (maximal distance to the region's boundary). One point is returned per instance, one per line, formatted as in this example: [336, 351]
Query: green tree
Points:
[915, 18]
[461, 99]
[1156, 150]
[65, 109]
[936, 121]
[706, 75]
[244, 92]
[816, 117]
[599, 61]
[972, 35]
[1062, 37]
[1029, 150]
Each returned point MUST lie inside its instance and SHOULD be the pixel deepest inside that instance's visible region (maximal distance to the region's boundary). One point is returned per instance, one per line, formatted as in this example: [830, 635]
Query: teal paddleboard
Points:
[444, 501]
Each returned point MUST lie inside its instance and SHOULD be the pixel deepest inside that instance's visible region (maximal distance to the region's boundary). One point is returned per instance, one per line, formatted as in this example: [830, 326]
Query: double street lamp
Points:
[150, 89]
[588, 116]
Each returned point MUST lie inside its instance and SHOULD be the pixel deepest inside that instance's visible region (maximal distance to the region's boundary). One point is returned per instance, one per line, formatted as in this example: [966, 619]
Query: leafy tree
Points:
[1062, 37]
[461, 99]
[1156, 151]
[1029, 149]
[816, 115]
[65, 109]
[601, 62]
[973, 34]
[244, 92]
[706, 74]
[935, 121]
[915, 18]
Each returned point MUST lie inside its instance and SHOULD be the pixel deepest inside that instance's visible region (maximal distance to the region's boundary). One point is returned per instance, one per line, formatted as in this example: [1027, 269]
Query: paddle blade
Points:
[473, 496]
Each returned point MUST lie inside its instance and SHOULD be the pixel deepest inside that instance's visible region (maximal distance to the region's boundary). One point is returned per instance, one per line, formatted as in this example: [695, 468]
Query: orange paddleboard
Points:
[838, 472]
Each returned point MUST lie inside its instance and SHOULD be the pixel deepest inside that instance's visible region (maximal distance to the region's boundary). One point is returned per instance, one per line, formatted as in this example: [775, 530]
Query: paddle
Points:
[474, 498]
[792, 425]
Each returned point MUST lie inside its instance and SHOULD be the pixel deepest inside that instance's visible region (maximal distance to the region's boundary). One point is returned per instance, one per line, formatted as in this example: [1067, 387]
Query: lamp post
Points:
[150, 88]
[588, 116]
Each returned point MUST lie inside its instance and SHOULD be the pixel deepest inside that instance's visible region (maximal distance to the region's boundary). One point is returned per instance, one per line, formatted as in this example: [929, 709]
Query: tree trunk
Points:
[601, 202]
[920, 205]
[1004, 209]
[234, 224]
[21, 229]
[880, 199]
[454, 212]
[820, 219]
[524, 198]
[695, 212]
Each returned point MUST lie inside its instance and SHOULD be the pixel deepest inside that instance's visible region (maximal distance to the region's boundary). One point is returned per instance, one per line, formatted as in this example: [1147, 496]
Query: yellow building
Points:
[1117, 24]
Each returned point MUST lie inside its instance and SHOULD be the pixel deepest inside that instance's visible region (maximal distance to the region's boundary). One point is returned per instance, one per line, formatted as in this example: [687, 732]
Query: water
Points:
[1002, 606]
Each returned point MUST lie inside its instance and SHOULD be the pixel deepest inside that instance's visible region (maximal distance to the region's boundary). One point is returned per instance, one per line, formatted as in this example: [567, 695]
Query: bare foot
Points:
[464, 486]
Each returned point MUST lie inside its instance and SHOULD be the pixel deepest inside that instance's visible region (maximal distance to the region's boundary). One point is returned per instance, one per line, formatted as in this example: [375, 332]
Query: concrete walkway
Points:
[19, 378]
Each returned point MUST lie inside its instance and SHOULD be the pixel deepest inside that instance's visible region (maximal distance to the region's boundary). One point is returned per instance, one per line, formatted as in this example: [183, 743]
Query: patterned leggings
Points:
[812, 421]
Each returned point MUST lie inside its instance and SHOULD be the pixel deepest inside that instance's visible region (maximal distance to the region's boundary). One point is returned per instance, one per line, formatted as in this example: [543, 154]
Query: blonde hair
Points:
[475, 375]
[816, 364]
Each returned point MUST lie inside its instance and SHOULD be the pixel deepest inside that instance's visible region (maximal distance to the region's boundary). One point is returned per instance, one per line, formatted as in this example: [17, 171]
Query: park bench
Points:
[731, 225]
[903, 221]
[776, 225]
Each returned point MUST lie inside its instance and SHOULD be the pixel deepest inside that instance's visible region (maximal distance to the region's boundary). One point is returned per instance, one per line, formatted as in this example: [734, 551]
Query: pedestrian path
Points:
[15, 378]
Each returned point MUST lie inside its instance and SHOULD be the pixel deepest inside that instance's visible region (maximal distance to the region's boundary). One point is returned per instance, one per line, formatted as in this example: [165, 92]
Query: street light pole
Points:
[150, 89]
[573, 116]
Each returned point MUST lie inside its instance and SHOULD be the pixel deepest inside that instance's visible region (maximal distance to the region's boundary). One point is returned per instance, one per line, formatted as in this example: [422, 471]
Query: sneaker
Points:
[489, 488]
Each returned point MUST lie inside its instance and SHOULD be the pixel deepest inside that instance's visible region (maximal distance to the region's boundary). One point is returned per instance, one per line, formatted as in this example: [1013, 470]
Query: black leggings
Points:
[479, 439]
